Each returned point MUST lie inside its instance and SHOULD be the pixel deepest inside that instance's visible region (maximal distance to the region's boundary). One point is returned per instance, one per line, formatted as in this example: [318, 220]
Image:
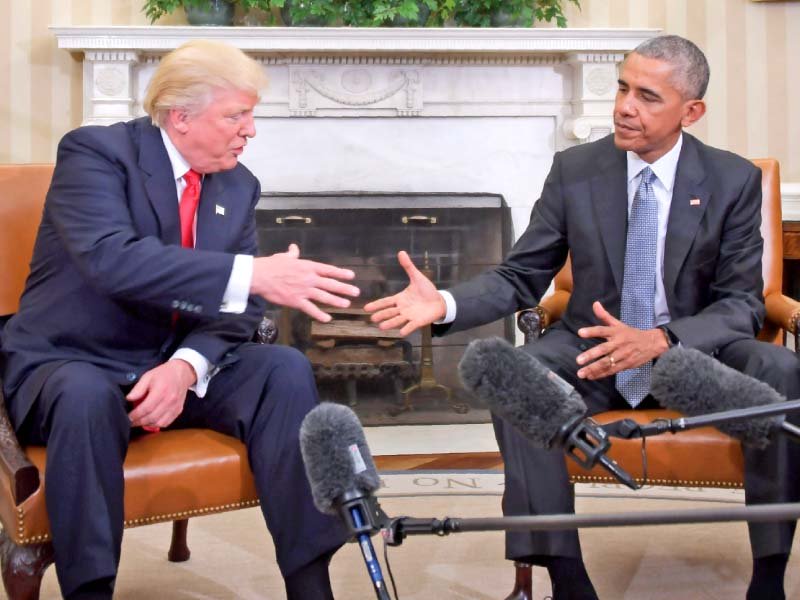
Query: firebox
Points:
[385, 378]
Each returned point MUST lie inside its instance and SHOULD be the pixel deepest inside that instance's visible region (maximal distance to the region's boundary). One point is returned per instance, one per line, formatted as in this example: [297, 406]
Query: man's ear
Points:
[178, 119]
[693, 111]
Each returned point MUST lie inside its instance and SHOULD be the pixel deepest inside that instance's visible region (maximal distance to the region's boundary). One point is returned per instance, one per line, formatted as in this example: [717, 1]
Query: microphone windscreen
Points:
[693, 383]
[336, 456]
[520, 389]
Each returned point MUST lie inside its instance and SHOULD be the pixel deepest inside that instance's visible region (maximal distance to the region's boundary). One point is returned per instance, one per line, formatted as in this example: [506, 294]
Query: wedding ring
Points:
[611, 360]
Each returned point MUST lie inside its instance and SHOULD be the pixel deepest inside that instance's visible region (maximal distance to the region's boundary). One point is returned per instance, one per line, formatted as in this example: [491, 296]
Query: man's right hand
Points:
[418, 305]
[288, 280]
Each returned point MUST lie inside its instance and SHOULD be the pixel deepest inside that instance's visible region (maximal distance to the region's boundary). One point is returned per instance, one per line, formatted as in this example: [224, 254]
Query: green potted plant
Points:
[370, 13]
[203, 12]
[356, 13]
[505, 13]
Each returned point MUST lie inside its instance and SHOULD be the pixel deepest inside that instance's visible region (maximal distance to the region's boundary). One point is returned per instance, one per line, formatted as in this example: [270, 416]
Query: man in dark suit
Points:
[144, 292]
[664, 237]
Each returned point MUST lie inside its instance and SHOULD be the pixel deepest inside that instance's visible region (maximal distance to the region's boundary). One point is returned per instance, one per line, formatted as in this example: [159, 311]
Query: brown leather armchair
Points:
[166, 475]
[701, 457]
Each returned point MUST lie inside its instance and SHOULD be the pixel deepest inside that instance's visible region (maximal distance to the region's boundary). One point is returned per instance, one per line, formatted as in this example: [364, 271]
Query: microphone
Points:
[693, 383]
[544, 408]
[342, 476]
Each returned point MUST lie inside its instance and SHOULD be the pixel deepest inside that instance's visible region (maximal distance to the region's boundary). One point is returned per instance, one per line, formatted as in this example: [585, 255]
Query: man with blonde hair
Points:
[143, 297]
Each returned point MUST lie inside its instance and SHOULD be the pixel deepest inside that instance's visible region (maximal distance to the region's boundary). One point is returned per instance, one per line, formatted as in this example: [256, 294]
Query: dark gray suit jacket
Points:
[712, 253]
[108, 271]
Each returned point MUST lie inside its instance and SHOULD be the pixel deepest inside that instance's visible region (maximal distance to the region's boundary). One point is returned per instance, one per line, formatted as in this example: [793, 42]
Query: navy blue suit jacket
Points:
[712, 251]
[108, 271]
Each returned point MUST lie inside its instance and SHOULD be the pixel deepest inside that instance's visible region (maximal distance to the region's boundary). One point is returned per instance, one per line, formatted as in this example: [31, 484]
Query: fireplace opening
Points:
[385, 378]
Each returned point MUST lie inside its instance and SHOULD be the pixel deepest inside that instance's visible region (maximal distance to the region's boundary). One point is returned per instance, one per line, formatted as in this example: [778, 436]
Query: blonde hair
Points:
[187, 77]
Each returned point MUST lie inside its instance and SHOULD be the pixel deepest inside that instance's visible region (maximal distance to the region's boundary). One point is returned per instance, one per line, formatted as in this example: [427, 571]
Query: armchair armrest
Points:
[23, 476]
[534, 321]
[783, 311]
[267, 331]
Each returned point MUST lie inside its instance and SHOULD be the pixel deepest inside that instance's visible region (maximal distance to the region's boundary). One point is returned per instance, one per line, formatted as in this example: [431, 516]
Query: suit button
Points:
[183, 306]
[131, 376]
[198, 308]
[175, 304]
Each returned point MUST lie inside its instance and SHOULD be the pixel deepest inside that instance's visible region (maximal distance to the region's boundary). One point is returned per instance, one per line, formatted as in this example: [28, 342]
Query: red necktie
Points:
[187, 210]
[188, 207]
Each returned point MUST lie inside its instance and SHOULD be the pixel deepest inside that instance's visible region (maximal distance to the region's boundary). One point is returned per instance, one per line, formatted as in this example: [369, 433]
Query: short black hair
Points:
[690, 65]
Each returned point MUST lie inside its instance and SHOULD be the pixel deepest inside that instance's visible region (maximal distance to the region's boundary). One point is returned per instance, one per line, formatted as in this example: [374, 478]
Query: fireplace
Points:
[385, 378]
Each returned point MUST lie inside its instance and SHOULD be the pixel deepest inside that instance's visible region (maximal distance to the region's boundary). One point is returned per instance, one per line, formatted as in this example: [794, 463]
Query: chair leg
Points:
[23, 567]
[179, 549]
[523, 583]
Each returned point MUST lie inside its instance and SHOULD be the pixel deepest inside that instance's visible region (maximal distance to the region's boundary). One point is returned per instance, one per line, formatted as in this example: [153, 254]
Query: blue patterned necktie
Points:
[639, 282]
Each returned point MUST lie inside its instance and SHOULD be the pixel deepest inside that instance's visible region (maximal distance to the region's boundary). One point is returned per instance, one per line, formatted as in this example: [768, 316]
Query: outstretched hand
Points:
[418, 305]
[625, 347]
[286, 279]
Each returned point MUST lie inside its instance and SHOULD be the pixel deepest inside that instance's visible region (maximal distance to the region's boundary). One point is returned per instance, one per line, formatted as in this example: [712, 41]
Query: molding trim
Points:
[790, 194]
[355, 39]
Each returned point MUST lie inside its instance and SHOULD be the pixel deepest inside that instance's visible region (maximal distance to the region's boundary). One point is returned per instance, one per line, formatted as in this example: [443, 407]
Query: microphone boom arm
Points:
[630, 429]
[397, 529]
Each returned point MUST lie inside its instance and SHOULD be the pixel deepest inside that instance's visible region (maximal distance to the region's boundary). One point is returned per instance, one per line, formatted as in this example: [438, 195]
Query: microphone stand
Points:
[363, 515]
[630, 429]
[587, 443]
[396, 530]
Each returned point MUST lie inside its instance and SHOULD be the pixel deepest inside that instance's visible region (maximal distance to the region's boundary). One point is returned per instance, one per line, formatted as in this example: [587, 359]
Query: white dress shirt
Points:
[237, 292]
[664, 169]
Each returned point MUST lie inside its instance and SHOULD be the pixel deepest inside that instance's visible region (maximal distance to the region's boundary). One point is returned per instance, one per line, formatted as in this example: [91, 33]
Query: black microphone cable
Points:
[389, 567]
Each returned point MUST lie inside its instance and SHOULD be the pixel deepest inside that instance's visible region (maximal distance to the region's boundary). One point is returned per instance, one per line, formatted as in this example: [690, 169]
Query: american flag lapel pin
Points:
[219, 210]
[694, 202]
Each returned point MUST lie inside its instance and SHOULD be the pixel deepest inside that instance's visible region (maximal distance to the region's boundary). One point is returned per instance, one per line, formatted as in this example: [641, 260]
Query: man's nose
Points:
[626, 104]
[248, 126]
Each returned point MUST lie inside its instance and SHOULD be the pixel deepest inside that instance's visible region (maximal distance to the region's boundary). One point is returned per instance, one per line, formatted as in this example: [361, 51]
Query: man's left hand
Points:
[160, 393]
[625, 347]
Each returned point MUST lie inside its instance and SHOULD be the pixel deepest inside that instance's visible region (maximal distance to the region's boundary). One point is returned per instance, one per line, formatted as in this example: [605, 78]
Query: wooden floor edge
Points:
[440, 461]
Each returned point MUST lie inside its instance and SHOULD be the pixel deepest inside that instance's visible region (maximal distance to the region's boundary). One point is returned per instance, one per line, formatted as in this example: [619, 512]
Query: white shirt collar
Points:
[179, 164]
[664, 168]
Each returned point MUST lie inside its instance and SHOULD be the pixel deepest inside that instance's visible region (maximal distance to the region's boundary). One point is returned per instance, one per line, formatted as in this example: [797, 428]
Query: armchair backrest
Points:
[24, 188]
[771, 230]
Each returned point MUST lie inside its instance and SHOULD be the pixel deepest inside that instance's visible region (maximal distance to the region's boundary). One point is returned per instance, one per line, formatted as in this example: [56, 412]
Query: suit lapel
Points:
[690, 197]
[213, 215]
[160, 183]
[610, 203]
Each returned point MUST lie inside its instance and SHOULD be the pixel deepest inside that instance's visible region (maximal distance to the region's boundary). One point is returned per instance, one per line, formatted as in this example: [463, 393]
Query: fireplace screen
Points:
[385, 378]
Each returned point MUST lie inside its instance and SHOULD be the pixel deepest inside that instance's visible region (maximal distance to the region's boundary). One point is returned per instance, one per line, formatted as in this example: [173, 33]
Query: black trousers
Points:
[82, 419]
[536, 480]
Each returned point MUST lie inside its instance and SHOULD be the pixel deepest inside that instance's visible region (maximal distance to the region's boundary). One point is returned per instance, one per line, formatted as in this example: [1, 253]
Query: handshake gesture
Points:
[289, 280]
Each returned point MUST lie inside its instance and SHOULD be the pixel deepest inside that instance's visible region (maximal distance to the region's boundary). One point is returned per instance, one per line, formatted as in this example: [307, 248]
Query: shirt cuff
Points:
[450, 303]
[234, 300]
[202, 369]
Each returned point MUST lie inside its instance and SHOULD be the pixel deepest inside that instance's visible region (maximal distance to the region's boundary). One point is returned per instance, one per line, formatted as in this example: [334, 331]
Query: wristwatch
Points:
[672, 340]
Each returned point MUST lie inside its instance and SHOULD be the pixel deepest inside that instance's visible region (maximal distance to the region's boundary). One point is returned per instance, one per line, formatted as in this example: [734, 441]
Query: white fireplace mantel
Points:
[354, 39]
[381, 69]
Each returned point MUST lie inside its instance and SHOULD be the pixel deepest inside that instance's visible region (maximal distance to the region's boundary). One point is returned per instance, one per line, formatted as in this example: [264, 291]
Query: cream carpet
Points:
[232, 557]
